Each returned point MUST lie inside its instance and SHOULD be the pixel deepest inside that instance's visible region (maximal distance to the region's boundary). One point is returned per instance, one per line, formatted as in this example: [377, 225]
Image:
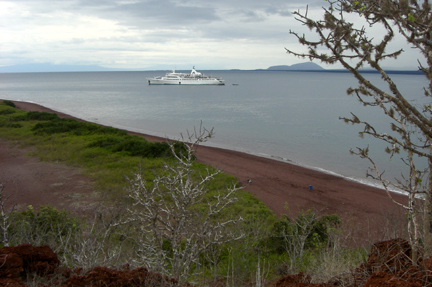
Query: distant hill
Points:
[309, 66]
[46, 67]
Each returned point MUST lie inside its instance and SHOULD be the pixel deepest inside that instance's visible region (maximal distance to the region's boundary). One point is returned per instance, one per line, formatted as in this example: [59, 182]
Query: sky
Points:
[152, 34]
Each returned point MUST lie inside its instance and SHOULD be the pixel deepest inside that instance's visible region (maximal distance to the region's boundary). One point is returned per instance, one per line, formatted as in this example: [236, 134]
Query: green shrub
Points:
[316, 229]
[136, 146]
[74, 127]
[35, 116]
[321, 228]
[7, 112]
[9, 103]
[8, 124]
[41, 116]
[45, 226]
[12, 125]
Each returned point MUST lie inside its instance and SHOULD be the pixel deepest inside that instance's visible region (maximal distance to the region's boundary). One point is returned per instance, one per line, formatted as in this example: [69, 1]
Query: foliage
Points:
[285, 230]
[35, 116]
[9, 103]
[136, 146]
[410, 130]
[44, 226]
[56, 125]
[7, 108]
[7, 111]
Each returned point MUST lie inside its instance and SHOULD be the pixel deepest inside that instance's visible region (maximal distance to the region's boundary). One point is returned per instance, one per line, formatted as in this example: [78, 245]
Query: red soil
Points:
[22, 262]
[388, 264]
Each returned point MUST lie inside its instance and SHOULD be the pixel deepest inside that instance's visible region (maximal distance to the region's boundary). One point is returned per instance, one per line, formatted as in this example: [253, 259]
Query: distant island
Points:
[309, 66]
[47, 67]
[312, 67]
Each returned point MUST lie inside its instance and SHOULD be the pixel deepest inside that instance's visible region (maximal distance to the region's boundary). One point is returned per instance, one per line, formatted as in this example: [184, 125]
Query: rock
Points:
[23, 260]
[103, 276]
[10, 283]
[297, 280]
[384, 279]
[40, 260]
[11, 265]
[389, 264]
[390, 255]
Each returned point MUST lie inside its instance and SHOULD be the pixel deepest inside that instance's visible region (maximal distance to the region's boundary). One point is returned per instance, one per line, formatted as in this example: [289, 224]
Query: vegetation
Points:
[9, 103]
[229, 235]
[44, 226]
[410, 129]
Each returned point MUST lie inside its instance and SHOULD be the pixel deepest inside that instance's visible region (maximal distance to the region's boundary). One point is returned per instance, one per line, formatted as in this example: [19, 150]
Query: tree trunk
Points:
[427, 224]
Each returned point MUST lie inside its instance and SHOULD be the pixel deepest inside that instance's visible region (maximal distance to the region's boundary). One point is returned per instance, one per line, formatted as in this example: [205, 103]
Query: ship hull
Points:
[154, 81]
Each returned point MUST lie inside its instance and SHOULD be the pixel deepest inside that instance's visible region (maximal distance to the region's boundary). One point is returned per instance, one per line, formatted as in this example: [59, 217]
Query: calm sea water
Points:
[289, 116]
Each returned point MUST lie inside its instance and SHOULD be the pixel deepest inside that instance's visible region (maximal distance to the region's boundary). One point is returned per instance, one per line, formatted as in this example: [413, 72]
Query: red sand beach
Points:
[274, 182]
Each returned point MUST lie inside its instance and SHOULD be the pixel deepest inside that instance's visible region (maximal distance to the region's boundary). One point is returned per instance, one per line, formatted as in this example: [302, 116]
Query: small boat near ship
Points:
[193, 78]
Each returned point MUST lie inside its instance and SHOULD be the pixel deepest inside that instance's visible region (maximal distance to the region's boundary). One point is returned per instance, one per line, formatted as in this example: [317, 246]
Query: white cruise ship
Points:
[194, 78]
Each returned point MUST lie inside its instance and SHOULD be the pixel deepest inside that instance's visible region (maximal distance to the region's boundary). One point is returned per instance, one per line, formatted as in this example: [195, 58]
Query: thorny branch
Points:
[411, 125]
[178, 217]
[5, 215]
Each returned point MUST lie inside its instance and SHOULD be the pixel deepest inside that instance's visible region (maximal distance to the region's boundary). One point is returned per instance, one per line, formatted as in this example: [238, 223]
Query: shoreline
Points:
[277, 182]
[159, 138]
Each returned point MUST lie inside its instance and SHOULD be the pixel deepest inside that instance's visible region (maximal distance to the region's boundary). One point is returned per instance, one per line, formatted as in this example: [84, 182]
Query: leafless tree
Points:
[295, 235]
[5, 215]
[177, 216]
[94, 244]
[411, 124]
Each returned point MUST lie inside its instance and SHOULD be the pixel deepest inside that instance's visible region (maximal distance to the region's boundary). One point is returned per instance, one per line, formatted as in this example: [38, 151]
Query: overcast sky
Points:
[217, 34]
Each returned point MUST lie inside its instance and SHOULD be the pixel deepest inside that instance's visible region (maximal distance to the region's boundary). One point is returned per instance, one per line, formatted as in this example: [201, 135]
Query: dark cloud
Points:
[183, 13]
[252, 16]
[279, 11]
[151, 13]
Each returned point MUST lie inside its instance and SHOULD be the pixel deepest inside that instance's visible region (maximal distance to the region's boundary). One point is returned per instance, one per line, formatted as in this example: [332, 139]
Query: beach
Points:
[276, 183]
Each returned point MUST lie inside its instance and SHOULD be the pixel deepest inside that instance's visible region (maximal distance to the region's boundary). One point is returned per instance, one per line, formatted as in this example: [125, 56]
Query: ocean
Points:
[288, 116]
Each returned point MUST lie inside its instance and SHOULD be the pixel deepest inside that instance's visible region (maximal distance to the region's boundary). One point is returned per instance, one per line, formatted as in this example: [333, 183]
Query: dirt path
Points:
[29, 181]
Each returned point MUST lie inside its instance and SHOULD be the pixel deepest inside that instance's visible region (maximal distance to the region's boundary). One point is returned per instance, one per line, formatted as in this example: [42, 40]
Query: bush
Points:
[41, 116]
[9, 103]
[5, 124]
[7, 112]
[135, 146]
[314, 231]
[35, 116]
[48, 225]
[74, 127]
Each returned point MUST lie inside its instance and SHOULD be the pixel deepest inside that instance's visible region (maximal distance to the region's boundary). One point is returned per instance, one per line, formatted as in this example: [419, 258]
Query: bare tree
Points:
[177, 216]
[5, 215]
[93, 245]
[294, 236]
[410, 123]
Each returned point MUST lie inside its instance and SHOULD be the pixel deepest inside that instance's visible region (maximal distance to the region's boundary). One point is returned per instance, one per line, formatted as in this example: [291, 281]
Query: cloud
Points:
[154, 13]
[244, 34]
